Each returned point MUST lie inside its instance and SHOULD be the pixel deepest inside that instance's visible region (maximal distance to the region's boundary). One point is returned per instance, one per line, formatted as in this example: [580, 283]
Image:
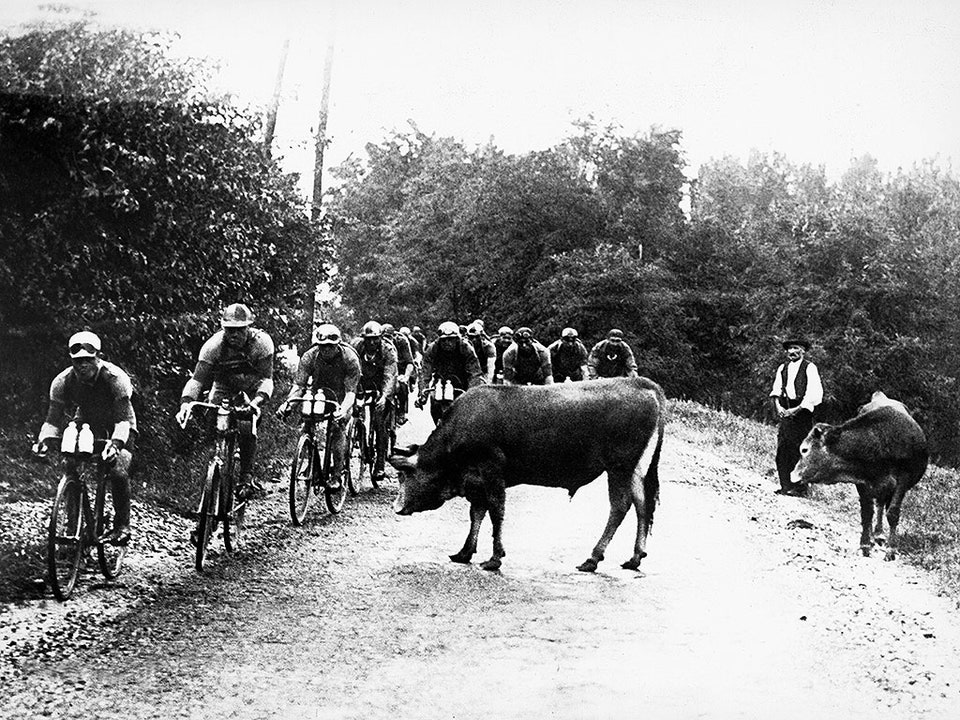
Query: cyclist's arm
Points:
[201, 378]
[264, 370]
[631, 364]
[55, 410]
[546, 366]
[351, 378]
[509, 369]
[389, 384]
[593, 360]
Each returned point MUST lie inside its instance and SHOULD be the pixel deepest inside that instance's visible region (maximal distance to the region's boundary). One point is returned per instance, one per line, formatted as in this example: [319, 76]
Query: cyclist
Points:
[526, 362]
[333, 364]
[569, 357]
[99, 393]
[236, 359]
[483, 347]
[416, 350]
[378, 371]
[503, 341]
[417, 333]
[405, 370]
[449, 357]
[612, 357]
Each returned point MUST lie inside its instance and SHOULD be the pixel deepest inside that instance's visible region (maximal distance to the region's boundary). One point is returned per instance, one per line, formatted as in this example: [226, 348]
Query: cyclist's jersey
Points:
[609, 359]
[248, 368]
[341, 373]
[404, 351]
[415, 347]
[104, 403]
[460, 365]
[485, 350]
[500, 346]
[568, 359]
[378, 369]
[530, 364]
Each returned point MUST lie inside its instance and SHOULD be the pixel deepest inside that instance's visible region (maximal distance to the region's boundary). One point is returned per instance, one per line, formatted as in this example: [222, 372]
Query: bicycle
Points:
[218, 501]
[74, 527]
[310, 470]
[363, 439]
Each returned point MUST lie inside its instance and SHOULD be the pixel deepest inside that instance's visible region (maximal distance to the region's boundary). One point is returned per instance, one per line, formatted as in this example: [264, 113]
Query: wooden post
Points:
[271, 122]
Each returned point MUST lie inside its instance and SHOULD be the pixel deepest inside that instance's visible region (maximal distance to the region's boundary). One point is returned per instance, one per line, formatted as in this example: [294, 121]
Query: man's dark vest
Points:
[799, 385]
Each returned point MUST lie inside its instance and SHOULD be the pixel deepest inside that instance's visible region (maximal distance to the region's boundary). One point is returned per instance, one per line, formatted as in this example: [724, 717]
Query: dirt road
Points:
[738, 612]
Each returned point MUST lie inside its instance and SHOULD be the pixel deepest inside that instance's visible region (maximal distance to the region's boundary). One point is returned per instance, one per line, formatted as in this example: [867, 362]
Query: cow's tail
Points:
[651, 469]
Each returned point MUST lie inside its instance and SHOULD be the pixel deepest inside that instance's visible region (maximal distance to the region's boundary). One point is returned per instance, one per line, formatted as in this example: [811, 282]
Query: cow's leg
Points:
[477, 513]
[881, 509]
[640, 544]
[498, 502]
[893, 519]
[618, 489]
[866, 520]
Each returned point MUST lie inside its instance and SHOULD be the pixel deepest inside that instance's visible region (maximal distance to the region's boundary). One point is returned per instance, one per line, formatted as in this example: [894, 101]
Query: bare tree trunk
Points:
[271, 122]
[321, 142]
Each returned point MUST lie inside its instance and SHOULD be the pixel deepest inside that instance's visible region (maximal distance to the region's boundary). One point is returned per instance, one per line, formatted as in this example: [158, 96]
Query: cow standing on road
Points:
[559, 435]
[882, 450]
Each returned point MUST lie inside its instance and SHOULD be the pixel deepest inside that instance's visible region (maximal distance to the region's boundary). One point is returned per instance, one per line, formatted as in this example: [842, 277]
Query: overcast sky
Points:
[819, 81]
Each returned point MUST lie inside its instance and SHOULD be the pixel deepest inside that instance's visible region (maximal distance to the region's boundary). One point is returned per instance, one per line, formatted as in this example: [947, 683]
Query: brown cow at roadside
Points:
[882, 451]
[562, 435]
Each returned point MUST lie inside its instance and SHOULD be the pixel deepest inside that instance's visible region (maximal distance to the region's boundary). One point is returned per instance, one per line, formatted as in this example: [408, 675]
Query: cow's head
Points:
[422, 485]
[818, 464]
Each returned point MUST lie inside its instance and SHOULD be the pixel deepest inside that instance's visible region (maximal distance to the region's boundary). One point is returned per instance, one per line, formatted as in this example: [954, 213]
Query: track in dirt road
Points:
[733, 615]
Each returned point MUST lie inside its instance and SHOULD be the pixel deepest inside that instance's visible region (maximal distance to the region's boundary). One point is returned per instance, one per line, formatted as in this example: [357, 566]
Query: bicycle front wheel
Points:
[301, 479]
[334, 498]
[207, 517]
[356, 447]
[65, 538]
[234, 512]
[109, 556]
[371, 453]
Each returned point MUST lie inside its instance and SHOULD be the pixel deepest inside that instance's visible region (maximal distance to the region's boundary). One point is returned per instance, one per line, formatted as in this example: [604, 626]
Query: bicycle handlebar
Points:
[233, 409]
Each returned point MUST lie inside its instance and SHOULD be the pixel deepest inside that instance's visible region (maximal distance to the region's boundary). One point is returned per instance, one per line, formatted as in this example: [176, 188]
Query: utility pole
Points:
[315, 207]
[271, 122]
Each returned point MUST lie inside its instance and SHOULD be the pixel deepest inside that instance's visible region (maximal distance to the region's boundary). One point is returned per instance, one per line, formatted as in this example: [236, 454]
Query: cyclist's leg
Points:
[402, 400]
[247, 442]
[337, 453]
[119, 475]
[380, 423]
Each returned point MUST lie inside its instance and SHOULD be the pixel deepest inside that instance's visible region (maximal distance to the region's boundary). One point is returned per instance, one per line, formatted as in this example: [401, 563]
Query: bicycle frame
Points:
[84, 527]
[442, 395]
[217, 496]
[314, 409]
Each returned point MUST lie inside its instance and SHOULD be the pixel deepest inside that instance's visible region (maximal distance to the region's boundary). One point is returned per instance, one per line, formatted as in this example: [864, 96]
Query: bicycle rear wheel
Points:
[65, 538]
[334, 498]
[109, 556]
[207, 519]
[356, 447]
[301, 479]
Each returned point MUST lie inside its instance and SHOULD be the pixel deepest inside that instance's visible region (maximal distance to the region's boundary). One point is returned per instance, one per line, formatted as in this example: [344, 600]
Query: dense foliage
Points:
[135, 203]
[591, 234]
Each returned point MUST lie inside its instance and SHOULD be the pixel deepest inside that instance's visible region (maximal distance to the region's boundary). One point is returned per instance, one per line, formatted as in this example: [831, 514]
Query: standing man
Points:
[612, 357]
[237, 359]
[526, 362]
[100, 394]
[569, 357]
[797, 390]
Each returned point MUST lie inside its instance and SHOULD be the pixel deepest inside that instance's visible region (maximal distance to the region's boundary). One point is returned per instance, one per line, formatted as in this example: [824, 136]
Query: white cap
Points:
[84, 344]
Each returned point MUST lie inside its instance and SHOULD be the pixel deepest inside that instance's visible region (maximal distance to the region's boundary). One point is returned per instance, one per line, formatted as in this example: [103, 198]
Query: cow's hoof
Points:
[491, 564]
[890, 554]
[633, 563]
[589, 565]
[865, 549]
[461, 557]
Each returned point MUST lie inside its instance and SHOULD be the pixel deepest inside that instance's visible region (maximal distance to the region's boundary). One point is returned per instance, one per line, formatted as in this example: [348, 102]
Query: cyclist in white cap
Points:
[98, 393]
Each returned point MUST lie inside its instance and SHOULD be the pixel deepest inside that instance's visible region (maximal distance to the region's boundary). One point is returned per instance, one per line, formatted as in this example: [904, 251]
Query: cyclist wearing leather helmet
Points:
[236, 359]
[569, 357]
[378, 371]
[612, 357]
[450, 357]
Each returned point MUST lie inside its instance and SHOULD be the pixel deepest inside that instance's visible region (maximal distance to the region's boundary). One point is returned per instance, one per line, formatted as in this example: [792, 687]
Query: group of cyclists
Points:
[238, 361]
